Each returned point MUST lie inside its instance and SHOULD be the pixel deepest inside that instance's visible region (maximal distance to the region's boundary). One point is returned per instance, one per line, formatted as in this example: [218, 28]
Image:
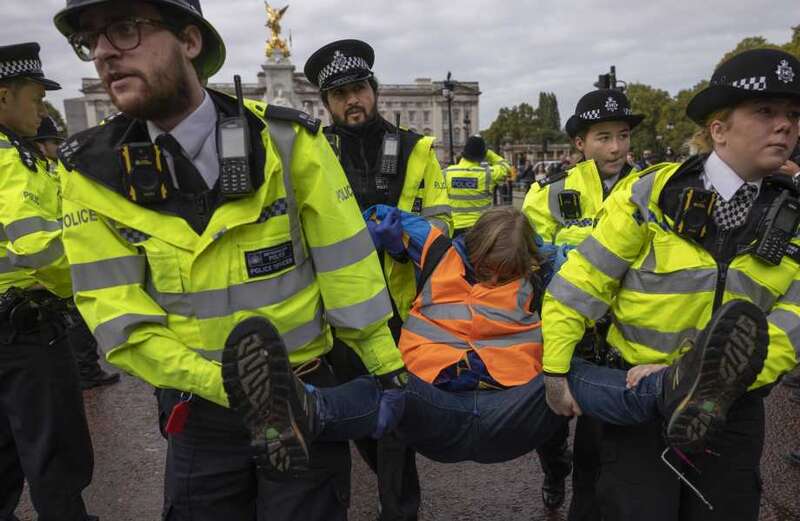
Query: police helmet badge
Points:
[611, 104]
[785, 72]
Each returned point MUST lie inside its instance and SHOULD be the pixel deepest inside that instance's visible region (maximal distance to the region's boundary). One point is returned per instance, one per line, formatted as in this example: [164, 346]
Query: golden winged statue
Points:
[275, 42]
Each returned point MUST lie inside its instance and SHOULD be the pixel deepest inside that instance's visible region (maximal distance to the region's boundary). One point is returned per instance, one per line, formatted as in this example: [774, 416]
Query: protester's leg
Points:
[45, 411]
[586, 449]
[729, 476]
[556, 461]
[84, 346]
[634, 484]
[12, 479]
[209, 472]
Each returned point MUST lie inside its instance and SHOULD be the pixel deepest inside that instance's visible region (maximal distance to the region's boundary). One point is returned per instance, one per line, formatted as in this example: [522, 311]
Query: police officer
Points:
[47, 140]
[388, 165]
[562, 208]
[44, 438]
[669, 249]
[183, 218]
[471, 182]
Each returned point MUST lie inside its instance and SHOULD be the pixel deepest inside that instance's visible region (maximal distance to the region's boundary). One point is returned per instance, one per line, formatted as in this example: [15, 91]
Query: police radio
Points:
[777, 228]
[233, 145]
[569, 204]
[391, 148]
[143, 177]
[694, 213]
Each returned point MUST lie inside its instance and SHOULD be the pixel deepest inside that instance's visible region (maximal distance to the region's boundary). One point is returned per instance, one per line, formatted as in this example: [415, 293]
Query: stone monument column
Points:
[278, 76]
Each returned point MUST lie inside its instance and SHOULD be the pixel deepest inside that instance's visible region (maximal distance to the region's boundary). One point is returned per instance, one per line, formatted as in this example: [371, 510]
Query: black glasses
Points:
[123, 35]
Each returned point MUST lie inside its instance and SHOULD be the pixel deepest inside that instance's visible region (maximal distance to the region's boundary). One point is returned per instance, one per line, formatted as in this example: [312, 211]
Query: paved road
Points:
[129, 454]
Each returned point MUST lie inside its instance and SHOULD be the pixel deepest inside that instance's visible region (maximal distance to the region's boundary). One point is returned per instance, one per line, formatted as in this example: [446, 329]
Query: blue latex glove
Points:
[390, 233]
[390, 412]
[561, 256]
[371, 227]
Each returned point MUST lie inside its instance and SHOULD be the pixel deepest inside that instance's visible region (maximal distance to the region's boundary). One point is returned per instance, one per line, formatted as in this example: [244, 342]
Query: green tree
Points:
[57, 117]
[751, 42]
[519, 123]
[653, 104]
[793, 46]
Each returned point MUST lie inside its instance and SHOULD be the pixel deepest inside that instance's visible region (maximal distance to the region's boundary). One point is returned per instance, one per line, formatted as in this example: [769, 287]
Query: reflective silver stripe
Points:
[487, 187]
[116, 331]
[789, 323]
[470, 197]
[685, 281]
[108, 273]
[6, 144]
[446, 312]
[640, 194]
[343, 253]
[6, 266]
[304, 333]
[38, 260]
[14, 231]
[534, 335]
[661, 341]
[473, 209]
[441, 209]
[241, 297]
[517, 316]
[602, 258]
[740, 282]
[282, 133]
[434, 333]
[649, 263]
[524, 293]
[441, 225]
[213, 355]
[792, 295]
[3, 236]
[572, 296]
[363, 314]
[552, 200]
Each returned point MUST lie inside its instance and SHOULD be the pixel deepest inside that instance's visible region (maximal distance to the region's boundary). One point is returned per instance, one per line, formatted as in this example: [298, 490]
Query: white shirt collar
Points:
[721, 177]
[609, 182]
[193, 131]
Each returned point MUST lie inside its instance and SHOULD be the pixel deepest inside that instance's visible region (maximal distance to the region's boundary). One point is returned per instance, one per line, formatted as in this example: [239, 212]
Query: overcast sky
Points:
[514, 48]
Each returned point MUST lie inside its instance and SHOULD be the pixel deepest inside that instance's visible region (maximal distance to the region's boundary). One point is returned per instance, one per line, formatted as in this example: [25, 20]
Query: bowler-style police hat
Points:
[48, 131]
[599, 106]
[22, 61]
[340, 63]
[474, 149]
[207, 63]
[757, 73]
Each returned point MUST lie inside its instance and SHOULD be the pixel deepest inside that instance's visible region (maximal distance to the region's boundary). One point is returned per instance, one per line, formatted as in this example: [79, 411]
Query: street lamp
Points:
[467, 123]
[447, 92]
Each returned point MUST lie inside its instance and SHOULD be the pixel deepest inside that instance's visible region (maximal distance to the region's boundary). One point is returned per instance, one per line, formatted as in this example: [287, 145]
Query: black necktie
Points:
[733, 213]
[189, 178]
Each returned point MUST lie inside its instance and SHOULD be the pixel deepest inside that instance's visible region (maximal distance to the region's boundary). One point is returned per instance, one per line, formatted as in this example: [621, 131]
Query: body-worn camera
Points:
[569, 204]
[694, 213]
[144, 176]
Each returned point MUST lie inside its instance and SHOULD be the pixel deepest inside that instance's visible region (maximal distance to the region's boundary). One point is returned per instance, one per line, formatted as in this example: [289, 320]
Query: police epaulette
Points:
[308, 121]
[67, 151]
[553, 178]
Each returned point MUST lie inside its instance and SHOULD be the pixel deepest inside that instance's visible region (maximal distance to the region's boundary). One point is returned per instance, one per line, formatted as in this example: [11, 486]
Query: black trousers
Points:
[84, 346]
[553, 455]
[211, 475]
[586, 468]
[634, 483]
[44, 437]
[394, 463]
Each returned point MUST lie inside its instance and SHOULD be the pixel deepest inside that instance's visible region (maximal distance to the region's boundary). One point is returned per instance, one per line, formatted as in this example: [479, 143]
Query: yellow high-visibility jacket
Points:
[542, 208]
[470, 186]
[662, 289]
[31, 252]
[161, 299]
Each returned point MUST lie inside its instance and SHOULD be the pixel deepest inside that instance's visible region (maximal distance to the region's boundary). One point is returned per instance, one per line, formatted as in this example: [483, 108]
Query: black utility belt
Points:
[24, 310]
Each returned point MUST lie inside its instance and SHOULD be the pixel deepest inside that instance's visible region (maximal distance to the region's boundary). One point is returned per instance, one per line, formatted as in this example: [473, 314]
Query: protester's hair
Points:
[373, 82]
[701, 142]
[501, 246]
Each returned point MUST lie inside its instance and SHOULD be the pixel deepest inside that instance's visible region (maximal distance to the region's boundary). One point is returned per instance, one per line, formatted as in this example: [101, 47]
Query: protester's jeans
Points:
[484, 426]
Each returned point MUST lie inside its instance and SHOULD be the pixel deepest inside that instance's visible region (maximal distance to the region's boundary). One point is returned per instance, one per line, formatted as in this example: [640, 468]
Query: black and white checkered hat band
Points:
[752, 83]
[19, 67]
[341, 64]
[591, 114]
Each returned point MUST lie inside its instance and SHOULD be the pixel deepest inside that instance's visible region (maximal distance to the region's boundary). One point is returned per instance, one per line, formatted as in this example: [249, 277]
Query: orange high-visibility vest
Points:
[451, 317]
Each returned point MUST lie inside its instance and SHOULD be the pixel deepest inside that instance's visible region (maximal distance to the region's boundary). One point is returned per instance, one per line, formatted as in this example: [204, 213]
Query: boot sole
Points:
[733, 356]
[259, 381]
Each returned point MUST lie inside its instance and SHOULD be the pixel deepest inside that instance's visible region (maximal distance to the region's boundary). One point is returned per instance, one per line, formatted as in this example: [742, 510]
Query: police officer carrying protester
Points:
[562, 209]
[388, 165]
[471, 182]
[47, 140]
[669, 249]
[44, 438]
[192, 211]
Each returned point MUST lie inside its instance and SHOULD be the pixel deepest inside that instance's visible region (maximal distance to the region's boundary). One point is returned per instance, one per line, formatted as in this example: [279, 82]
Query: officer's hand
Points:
[559, 397]
[789, 168]
[635, 374]
[390, 412]
[390, 233]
